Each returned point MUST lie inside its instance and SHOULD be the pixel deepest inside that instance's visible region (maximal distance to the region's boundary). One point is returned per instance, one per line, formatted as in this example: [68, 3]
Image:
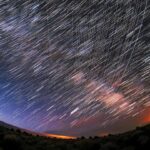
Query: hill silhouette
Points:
[18, 139]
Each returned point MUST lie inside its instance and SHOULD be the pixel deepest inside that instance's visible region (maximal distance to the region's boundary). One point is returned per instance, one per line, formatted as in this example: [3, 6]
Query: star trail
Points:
[75, 67]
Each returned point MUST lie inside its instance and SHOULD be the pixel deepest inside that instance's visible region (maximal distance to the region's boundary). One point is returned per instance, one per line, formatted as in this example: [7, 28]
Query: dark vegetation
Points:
[15, 139]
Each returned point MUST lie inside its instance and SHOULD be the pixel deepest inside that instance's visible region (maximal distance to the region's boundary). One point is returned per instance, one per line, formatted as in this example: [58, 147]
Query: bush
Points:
[109, 146]
[143, 139]
[11, 142]
[134, 140]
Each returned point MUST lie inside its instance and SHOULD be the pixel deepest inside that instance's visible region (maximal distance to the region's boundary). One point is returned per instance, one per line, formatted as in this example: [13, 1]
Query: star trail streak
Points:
[75, 67]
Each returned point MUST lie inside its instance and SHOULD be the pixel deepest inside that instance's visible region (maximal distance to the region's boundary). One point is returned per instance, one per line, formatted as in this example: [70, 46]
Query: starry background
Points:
[75, 67]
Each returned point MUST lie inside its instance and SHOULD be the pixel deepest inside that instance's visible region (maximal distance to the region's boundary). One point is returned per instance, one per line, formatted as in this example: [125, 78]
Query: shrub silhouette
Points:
[110, 146]
[138, 139]
[11, 142]
[143, 140]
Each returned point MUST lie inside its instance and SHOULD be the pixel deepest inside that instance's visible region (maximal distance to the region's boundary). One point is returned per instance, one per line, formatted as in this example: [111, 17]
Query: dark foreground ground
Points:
[14, 139]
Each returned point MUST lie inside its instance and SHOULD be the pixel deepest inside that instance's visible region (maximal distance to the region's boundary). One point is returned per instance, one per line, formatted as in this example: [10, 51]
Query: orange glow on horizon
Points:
[59, 136]
[146, 119]
[103, 134]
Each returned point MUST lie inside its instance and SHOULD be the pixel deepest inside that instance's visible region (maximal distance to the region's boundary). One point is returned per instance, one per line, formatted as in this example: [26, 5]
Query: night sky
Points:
[75, 67]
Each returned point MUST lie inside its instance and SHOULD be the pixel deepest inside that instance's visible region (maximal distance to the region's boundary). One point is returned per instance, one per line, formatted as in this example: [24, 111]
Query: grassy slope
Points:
[15, 139]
